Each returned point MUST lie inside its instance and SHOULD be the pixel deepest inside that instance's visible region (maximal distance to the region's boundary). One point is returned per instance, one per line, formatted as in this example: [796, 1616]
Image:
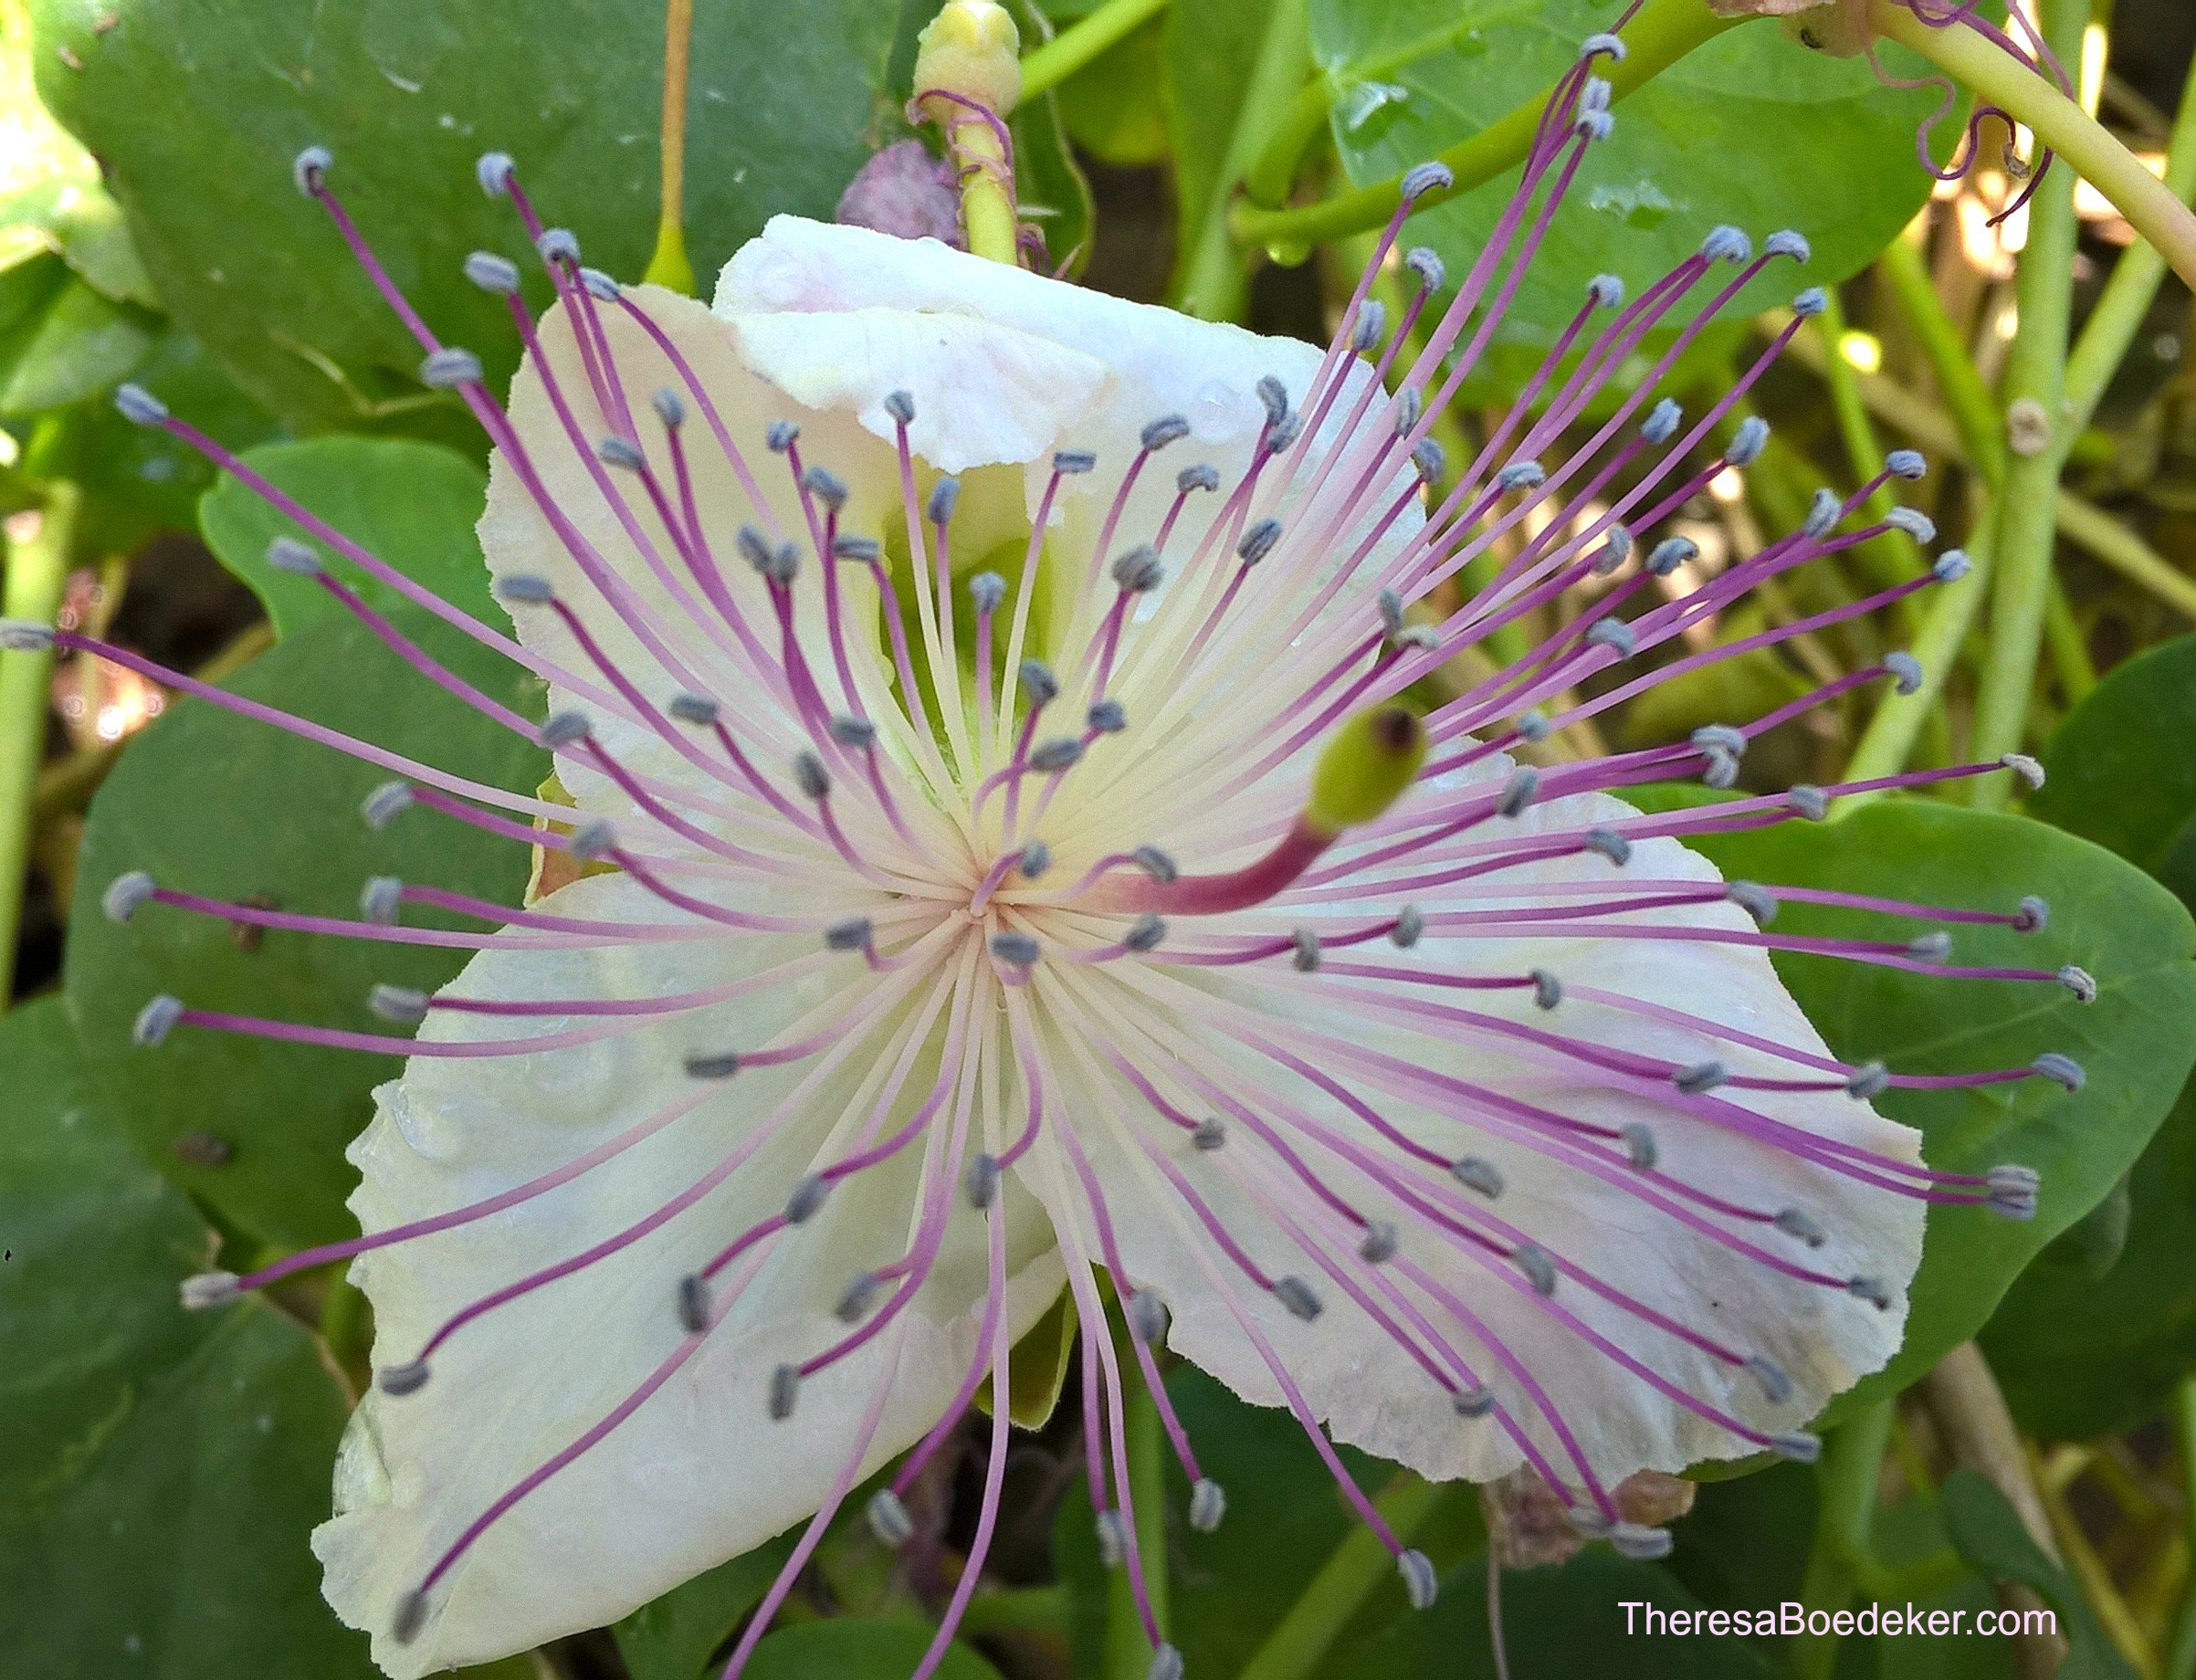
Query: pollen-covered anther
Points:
[1808, 800]
[1379, 1244]
[858, 1297]
[1700, 1077]
[1478, 1175]
[1662, 422]
[1640, 1146]
[2030, 771]
[493, 171]
[1822, 515]
[139, 405]
[1034, 858]
[1914, 523]
[1869, 1080]
[205, 1289]
[380, 900]
[523, 589]
[1476, 1402]
[1639, 1542]
[901, 406]
[1787, 242]
[126, 894]
[1070, 463]
[1428, 267]
[309, 169]
[2035, 914]
[1811, 303]
[695, 708]
[1520, 476]
[1158, 434]
[1613, 634]
[155, 1021]
[1952, 565]
[1301, 1300]
[401, 1379]
[1202, 477]
[784, 1391]
[944, 497]
[1147, 932]
[1908, 464]
[1421, 1585]
[1797, 1222]
[449, 368]
[1670, 554]
[1547, 990]
[1138, 572]
[1933, 947]
[809, 776]
[1409, 927]
[398, 1005]
[1770, 1378]
[1538, 1267]
[1905, 671]
[980, 1181]
[1754, 898]
[1372, 326]
[1428, 177]
[1038, 679]
[807, 1198]
[23, 635]
[1209, 1135]
[889, 1519]
[1306, 958]
[1873, 1290]
[849, 731]
[693, 1304]
[410, 1617]
[714, 1064]
[559, 248]
[2062, 1070]
[1609, 843]
[986, 591]
[1208, 1505]
[289, 555]
[1798, 1445]
[1157, 864]
[1429, 459]
[1147, 1317]
[1518, 792]
[1107, 718]
[1258, 541]
[562, 729]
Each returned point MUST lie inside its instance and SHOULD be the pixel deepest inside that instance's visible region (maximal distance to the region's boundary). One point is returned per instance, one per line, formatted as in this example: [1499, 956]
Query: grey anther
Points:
[849, 731]
[590, 841]
[1720, 735]
[1596, 94]
[1158, 434]
[1147, 1317]
[380, 899]
[1067, 462]
[1379, 1244]
[1372, 326]
[1868, 1081]
[1258, 541]
[1298, 1297]
[1421, 1585]
[2034, 915]
[494, 170]
[309, 169]
[1590, 1521]
[1202, 477]
[1670, 554]
[2030, 771]
[449, 368]
[1811, 303]
[1872, 1290]
[1538, 1268]
[780, 436]
[1208, 1505]
[1033, 860]
[669, 406]
[1610, 845]
[1952, 565]
[205, 1289]
[1616, 548]
[1518, 792]
[559, 245]
[1808, 800]
[809, 773]
[1429, 268]
[1138, 572]
[1640, 1542]
[1305, 959]
[1017, 951]
[1906, 464]
[901, 406]
[1804, 1226]
[24, 636]
[126, 894]
[807, 1197]
[1389, 607]
[696, 708]
[1409, 404]
[1521, 475]
[1476, 1402]
[1719, 770]
[560, 728]
[1662, 422]
[1906, 672]
[1770, 1379]
[693, 1302]
[1640, 1147]
[784, 1391]
[1476, 1173]
[945, 496]
[1547, 990]
[1914, 523]
[139, 405]
[1931, 947]
[1166, 1661]
[1156, 863]
[1038, 679]
[1429, 459]
[1822, 515]
[1062, 753]
[714, 1064]
[986, 591]
[1112, 1540]
[601, 287]
[1754, 898]
[830, 489]
[1409, 929]
[1700, 1077]
[1532, 727]
[1108, 718]
[858, 1297]
[1748, 442]
[855, 933]
[401, 1379]
[399, 1006]
[1787, 242]
[889, 1519]
[1210, 1135]
[155, 1021]
[524, 589]
[1605, 291]
[1274, 395]
[980, 1181]
[1613, 634]
[865, 549]
[1797, 1445]
[754, 548]
[2059, 1069]
[1429, 177]
[298, 559]
[1147, 932]
[1727, 244]
[410, 1617]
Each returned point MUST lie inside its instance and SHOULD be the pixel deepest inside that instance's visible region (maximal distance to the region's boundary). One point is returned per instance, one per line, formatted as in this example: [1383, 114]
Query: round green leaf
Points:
[411, 504]
[235, 810]
[198, 112]
[159, 1470]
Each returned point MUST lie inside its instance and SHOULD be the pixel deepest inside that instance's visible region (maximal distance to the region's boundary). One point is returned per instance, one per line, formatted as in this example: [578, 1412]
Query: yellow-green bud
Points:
[1364, 768]
[972, 50]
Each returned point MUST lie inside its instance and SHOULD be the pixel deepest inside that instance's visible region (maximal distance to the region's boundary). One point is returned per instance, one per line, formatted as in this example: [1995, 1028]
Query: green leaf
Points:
[235, 810]
[1751, 129]
[2135, 1042]
[672, 1637]
[411, 504]
[197, 112]
[160, 1470]
[1205, 59]
[1112, 106]
[79, 344]
[1988, 1533]
[855, 1648]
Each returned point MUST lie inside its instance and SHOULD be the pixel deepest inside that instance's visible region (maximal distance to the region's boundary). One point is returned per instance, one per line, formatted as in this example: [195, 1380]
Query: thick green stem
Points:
[1128, 1651]
[37, 568]
[1300, 1641]
[2079, 139]
[1894, 557]
[2036, 379]
[1887, 743]
[1212, 282]
[1663, 32]
[1082, 41]
[2181, 1655]
[1841, 1553]
[1275, 171]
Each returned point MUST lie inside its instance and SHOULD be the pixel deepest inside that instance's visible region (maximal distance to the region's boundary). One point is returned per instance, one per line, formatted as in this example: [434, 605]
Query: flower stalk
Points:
[37, 570]
[669, 266]
[967, 75]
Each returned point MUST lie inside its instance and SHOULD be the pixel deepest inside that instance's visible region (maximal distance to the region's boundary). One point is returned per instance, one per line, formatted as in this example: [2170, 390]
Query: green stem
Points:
[669, 266]
[2126, 299]
[1083, 40]
[2079, 139]
[1663, 33]
[1843, 1550]
[2181, 1655]
[1214, 283]
[1275, 170]
[1299, 1643]
[2036, 374]
[37, 569]
[1127, 1650]
[1887, 743]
